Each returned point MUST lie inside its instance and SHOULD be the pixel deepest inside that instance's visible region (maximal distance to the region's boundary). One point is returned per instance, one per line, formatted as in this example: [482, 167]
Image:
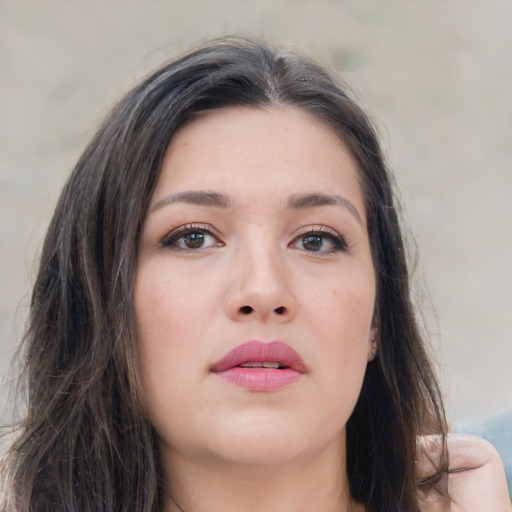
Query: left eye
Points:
[317, 241]
[196, 240]
[190, 239]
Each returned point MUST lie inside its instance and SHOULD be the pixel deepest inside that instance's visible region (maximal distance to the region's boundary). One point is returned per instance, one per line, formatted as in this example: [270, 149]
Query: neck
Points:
[318, 483]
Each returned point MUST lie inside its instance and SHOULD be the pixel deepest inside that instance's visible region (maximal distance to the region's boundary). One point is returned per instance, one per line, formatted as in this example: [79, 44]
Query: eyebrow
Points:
[313, 200]
[295, 201]
[198, 197]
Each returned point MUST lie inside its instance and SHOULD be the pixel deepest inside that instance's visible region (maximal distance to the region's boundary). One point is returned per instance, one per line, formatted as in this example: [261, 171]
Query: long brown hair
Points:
[85, 444]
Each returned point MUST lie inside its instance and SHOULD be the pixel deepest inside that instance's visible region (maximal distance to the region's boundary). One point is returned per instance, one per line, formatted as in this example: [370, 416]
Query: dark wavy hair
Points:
[86, 444]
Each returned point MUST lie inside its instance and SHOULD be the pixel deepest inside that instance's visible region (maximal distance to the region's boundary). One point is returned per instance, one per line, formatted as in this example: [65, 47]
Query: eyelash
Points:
[171, 240]
[335, 238]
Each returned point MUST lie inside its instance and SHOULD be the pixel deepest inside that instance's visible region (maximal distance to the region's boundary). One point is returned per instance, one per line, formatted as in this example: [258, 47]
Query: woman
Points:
[222, 320]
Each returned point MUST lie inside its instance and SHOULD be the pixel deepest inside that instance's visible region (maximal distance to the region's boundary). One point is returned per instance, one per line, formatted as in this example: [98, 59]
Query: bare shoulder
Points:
[476, 480]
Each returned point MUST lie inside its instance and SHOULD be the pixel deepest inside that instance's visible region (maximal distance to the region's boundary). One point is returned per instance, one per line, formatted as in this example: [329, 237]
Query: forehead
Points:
[250, 152]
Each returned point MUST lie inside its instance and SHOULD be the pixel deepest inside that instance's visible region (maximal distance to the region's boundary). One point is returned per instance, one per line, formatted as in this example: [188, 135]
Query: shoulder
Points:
[476, 476]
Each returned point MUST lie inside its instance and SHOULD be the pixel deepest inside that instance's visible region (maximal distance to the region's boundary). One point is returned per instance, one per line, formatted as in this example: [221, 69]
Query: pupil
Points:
[194, 240]
[312, 243]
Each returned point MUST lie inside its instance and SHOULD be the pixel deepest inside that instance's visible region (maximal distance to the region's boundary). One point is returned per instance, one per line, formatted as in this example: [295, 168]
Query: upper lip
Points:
[259, 351]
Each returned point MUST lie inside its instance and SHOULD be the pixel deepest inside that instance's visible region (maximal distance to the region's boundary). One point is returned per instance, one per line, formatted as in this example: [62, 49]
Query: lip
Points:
[292, 366]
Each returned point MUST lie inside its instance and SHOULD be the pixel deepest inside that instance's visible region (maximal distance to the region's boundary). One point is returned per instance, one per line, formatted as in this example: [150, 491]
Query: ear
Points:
[373, 344]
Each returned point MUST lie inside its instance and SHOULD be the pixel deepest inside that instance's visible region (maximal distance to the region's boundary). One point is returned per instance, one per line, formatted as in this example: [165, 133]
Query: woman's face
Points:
[255, 290]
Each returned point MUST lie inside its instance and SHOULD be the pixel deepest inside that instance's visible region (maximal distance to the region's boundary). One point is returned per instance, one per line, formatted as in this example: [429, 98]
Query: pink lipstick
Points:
[259, 366]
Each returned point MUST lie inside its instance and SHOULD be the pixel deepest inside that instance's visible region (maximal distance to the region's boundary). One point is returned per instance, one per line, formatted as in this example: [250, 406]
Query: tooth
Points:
[251, 364]
[271, 364]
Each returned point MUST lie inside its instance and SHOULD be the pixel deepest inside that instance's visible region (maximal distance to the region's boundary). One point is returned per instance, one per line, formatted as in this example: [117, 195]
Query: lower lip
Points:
[261, 379]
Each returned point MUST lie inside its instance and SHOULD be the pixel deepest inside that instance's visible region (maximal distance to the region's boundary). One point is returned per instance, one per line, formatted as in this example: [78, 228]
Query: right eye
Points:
[190, 238]
[321, 240]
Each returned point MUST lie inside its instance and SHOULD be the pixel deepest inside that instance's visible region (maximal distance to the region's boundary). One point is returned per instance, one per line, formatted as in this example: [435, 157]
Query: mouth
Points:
[276, 365]
[259, 366]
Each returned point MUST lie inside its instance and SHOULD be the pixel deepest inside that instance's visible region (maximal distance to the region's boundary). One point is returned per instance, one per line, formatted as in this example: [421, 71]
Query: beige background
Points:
[437, 76]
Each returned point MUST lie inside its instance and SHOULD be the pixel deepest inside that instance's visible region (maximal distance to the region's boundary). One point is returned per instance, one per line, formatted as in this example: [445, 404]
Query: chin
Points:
[268, 442]
[265, 454]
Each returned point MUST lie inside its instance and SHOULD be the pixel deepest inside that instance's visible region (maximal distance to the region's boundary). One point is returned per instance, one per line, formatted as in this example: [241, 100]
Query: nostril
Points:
[246, 310]
[280, 310]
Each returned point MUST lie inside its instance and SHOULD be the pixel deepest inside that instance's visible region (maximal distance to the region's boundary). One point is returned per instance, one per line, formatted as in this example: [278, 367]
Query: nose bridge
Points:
[261, 284]
[261, 270]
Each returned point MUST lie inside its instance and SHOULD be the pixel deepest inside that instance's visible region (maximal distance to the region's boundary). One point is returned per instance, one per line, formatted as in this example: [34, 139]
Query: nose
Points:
[260, 289]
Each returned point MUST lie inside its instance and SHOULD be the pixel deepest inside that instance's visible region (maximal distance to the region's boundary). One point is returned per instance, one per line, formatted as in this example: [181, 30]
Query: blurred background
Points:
[436, 76]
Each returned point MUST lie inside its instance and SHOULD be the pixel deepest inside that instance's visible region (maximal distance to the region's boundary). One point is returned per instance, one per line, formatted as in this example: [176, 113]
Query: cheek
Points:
[170, 309]
[343, 310]
[170, 318]
[169, 333]
[342, 319]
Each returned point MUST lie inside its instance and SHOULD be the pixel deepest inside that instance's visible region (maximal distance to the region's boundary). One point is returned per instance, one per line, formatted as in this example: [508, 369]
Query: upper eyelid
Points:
[318, 229]
[208, 228]
[328, 232]
[186, 228]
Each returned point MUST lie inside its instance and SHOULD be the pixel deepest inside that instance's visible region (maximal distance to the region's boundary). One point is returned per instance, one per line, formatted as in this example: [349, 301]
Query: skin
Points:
[224, 447]
[477, 480]
[247, 271]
